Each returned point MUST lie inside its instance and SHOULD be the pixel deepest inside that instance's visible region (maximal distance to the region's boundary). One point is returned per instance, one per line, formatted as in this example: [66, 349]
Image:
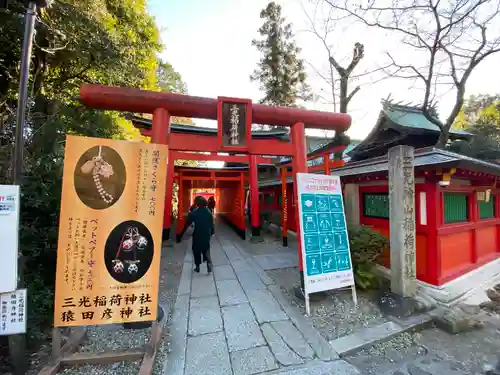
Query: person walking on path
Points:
[191, 209]
[211, 204]
[203, 232]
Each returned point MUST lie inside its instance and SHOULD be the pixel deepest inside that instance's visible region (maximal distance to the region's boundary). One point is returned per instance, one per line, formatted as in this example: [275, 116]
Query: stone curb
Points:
[316, 367]
[370, 336]
[176, 359]
[313, 337]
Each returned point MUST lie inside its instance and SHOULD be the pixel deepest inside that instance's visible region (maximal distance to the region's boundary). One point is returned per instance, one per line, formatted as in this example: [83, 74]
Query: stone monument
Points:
[402, 221]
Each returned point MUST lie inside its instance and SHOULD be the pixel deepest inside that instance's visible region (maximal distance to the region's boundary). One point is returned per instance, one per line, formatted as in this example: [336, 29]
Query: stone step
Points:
[338, 367]
[370, 336]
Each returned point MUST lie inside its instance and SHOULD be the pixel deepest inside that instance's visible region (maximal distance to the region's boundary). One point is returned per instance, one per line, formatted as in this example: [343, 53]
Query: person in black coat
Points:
[203, 232]
[211, 204]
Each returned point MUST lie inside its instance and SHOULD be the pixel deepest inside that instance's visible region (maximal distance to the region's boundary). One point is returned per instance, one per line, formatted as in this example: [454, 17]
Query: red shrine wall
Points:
[466, 245]
[231, 203]
[184, 203]
[381, 225]
[270, 200]
[452, 239]
[454, 232]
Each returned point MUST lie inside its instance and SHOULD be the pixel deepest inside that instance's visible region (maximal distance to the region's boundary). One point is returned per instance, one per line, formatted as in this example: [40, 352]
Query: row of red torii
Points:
[234, 118]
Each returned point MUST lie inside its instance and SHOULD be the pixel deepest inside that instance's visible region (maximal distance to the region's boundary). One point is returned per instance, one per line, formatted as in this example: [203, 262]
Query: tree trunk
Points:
[343, 95]
[443, 138]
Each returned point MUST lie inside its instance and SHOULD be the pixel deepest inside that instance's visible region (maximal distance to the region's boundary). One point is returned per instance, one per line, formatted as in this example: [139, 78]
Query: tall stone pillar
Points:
[351, 203]
[402, 221]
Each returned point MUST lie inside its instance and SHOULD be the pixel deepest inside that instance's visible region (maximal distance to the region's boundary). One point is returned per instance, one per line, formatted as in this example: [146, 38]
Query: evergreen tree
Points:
[113, 42]
[280, 72]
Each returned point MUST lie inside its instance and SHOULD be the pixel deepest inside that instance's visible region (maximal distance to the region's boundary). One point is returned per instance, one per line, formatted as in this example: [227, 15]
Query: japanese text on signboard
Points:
[110, 232]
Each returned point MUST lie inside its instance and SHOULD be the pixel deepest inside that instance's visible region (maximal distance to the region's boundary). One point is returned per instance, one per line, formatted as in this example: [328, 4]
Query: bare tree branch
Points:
[451, 35]
[353, 92]
[345, 75]
[323, 38]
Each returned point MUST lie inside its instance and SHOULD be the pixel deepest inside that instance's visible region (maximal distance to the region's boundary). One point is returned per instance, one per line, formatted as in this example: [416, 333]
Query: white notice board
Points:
[9, 233]
[323, 234]
[13, 312]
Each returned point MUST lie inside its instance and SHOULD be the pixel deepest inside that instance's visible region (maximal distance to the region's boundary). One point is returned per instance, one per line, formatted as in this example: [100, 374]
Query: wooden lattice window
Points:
[376, 205]
[487, 209]
[456, 207]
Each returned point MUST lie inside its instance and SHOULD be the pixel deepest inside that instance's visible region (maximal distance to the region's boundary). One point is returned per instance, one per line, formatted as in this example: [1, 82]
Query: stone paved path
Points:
[235, 321]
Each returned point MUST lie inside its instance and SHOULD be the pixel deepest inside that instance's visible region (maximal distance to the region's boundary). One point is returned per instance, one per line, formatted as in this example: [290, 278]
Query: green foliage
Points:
[481, 117]
[280, 72]
[169, 80]
[366, 246]
[111, 42]
[473, 108]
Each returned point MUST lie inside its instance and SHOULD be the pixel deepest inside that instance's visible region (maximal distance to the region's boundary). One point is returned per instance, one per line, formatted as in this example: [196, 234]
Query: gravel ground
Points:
[114, 337]
[473, 349]
[335, 316]
[380, 358]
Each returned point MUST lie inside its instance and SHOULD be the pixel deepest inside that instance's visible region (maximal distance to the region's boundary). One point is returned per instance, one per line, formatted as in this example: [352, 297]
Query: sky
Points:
[209, 43]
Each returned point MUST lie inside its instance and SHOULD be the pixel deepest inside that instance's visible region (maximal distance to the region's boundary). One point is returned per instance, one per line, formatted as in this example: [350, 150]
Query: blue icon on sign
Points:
[338, 221]
[340, 240]
[313, 264]
[325, 222]
[322, 204]
[308, 202]
[326, 242]
[343, 262]
[328, 262]
[311, 243]
[336, 203]
[310, 223]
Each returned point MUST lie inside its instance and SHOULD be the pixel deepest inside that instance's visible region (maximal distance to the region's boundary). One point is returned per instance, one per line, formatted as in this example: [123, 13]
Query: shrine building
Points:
[457, 198]
[457, 202]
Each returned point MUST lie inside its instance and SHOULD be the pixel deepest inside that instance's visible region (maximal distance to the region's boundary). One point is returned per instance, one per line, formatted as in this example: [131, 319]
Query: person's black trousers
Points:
[201, 255]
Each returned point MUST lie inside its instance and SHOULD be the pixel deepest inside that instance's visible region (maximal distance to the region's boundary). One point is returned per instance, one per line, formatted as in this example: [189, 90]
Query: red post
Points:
[299, 165]
[161, 126]
[180, 206]
[326, 164]
[254, 196]
[284, 207]
[433, 271]
[160, 134]
[242, 202]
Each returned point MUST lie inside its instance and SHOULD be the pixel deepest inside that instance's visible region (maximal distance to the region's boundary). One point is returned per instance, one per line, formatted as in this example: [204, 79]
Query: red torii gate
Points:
[164, 105]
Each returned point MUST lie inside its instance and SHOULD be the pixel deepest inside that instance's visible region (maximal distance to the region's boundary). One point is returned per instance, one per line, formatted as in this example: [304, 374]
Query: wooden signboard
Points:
[108, 254]
[234, 120]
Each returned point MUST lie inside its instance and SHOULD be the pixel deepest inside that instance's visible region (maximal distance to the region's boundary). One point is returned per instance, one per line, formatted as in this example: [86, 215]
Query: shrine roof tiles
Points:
[145, 123]
[414, 118]
[428, 156]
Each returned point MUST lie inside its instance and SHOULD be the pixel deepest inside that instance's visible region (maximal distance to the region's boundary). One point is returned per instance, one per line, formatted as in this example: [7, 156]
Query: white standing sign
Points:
[9, 233]
[13, 312]
[323, 234]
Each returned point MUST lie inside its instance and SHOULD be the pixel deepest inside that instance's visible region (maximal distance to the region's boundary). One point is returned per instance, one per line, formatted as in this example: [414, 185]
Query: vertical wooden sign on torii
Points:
[234, 124]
